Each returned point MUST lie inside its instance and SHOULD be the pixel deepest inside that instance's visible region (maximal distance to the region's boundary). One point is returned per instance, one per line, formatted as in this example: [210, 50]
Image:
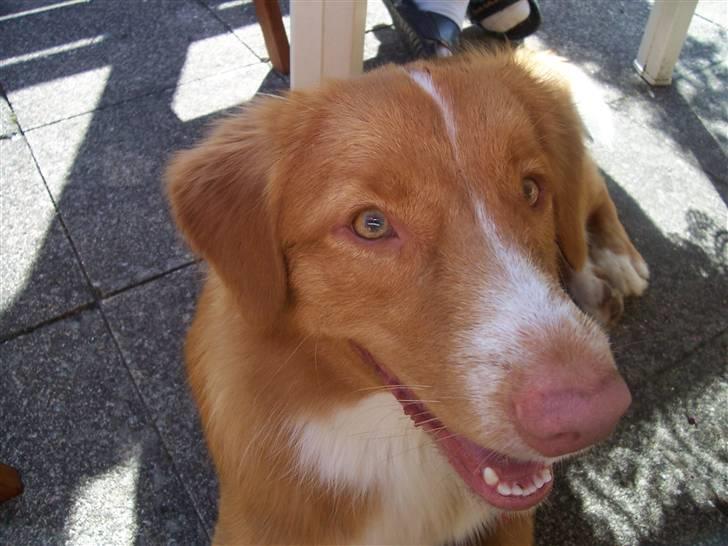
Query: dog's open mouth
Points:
[501, 481]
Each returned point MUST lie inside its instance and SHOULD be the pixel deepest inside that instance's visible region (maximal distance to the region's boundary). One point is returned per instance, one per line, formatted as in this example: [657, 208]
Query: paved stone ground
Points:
[96, 289]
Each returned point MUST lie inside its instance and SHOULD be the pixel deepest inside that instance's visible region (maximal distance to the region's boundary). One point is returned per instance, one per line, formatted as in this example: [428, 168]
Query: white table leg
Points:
[327, 40]
[663, 39]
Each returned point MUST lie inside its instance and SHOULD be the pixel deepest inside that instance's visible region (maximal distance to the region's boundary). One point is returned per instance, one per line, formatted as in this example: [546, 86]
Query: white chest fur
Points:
[373, 447]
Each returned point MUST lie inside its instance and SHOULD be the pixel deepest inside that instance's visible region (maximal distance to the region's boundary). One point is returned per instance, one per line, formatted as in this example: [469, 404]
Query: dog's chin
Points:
[501, 481]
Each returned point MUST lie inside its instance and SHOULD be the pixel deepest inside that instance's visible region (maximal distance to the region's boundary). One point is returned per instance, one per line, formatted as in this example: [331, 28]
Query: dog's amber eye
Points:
[531, 191]
[371, 224]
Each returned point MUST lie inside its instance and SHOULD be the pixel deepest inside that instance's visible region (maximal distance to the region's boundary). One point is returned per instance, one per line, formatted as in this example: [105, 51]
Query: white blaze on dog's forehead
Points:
[514, 300]
[373, 448]
[523, 293]
[424, 80]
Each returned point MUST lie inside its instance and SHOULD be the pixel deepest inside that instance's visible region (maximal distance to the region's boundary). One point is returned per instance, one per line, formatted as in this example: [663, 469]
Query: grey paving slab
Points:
[80, 56]
[706, 91]
[40, 277]
[715, 11]
[705, 45]
[8, 123]
[603, 38]
[219, 93]
[105, 169]
[149, 323]
[676, 216]
[689, 121]
[240, 17]
[701, 75]
[663, 477]
[94, 468]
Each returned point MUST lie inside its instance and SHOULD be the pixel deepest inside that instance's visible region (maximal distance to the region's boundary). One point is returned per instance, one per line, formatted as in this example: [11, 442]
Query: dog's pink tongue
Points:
[477, 458]
[502, 482]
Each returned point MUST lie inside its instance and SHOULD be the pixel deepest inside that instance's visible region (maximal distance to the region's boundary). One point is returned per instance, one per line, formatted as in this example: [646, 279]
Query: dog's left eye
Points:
[531, 191]
[371, 224]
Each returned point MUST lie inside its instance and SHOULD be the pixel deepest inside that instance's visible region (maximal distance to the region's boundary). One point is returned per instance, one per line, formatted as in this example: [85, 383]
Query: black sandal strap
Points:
[482, 9]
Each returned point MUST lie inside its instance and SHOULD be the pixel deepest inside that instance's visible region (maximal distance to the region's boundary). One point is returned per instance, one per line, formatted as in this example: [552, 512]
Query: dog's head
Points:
[420, 213]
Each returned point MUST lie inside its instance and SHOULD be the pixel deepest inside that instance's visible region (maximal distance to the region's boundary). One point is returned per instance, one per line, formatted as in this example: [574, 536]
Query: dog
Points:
[401, 330]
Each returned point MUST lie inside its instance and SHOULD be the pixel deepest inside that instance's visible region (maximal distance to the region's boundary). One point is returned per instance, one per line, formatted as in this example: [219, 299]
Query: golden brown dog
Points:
[383, 352]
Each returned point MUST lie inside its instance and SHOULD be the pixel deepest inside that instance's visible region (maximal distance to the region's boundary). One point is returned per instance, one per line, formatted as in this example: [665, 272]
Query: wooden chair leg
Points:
[274, 34]
[10, 483]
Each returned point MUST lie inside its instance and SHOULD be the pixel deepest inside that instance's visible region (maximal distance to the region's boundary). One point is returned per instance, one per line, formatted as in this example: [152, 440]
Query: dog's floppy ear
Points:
[219, 192]
[570, 214]
[548, 98]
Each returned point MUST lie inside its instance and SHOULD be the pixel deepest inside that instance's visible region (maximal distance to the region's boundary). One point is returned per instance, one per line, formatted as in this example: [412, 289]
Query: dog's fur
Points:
[309, 444]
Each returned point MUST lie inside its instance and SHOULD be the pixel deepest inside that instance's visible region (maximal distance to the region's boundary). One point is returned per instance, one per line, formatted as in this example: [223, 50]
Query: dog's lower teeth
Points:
[489, 476]
[538, 480]
[504, 489]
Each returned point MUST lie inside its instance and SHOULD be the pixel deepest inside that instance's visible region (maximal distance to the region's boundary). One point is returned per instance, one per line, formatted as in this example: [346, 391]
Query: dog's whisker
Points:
[616, 347]
[315, 362]
[418, 400]
[468, 399]
[392, 387]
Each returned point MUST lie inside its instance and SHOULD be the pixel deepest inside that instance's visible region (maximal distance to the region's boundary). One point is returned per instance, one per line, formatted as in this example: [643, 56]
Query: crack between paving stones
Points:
[94, 304]
[32, 328]
[148, 410]
[149, 279]
[62, 223]
[704, 18]
[229, 28]
[96, 296]
[687, 354]
[613, 104]
[153, 422]
[14, 121]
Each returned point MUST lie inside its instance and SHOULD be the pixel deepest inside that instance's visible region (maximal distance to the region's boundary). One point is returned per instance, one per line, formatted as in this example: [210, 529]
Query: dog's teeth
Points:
[489, 476]
[504, 489]
[540, 479]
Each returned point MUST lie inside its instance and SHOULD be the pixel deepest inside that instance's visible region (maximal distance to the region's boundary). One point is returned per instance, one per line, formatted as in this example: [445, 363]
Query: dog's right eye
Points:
[531, 191]
[371, 224]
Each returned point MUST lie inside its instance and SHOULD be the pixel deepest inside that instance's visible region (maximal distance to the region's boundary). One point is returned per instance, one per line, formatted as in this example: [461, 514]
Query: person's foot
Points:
[511, 19]
[426, 33]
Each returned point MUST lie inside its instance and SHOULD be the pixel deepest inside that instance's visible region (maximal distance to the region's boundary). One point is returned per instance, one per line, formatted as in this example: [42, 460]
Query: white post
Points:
[327, 40]
[663, 39]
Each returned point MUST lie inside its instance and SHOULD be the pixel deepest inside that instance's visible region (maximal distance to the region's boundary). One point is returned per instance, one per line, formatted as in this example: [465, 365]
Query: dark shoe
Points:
[427, 34]
[478, 10]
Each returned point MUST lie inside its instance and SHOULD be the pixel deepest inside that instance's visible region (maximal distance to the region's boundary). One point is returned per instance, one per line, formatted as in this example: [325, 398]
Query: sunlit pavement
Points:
[96, 289]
